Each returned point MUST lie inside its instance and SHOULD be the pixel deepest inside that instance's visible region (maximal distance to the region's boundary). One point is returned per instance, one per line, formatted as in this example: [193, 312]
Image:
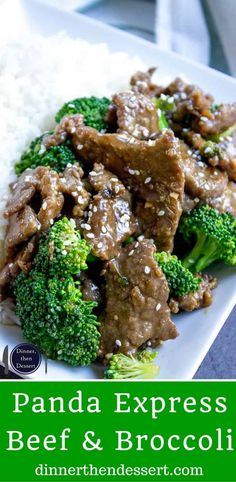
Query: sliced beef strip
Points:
[22, 262]
[136, 114]
[194, 108]
[110, 219]
[136, 309]
[201, 181]
[67, 126]
[22, 225]
[225, 159]
[226, 202]
[22, 192]
[150, 169]
[71, 183]
[223, 118]
[189, 203]
[141, 82]
[53, 199]
[44, 181]
[189, 100]
[200, 299]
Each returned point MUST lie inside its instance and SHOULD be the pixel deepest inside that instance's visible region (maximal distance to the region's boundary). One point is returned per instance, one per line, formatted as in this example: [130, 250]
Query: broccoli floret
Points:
[53, 314]
[141, 366]
[56, 157]
[164, 103]
[180, 280]
[214, 234]
[211, 149]
[93, 109]
[62, 252]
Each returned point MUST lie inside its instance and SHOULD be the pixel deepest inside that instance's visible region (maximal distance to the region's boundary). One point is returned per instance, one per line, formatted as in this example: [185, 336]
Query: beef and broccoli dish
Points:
[114, 217]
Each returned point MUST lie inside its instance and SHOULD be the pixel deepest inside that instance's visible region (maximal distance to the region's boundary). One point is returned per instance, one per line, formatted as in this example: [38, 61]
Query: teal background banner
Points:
[105, 431]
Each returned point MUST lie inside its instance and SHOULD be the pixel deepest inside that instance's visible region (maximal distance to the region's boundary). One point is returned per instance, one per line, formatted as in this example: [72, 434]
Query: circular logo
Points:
[25, 358]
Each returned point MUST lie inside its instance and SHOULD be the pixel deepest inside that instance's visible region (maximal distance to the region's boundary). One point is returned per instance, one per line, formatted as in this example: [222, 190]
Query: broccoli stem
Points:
[205, 252]
[162, 121]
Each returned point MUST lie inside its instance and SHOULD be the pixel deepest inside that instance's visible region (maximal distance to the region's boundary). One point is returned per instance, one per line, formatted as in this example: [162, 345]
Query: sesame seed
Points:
[10, 265]
[141, 238]
[72, 222]
[131, 252]
[90, 235]
[42, 149]
[114, 179]
[87, 227]
[69, 164]
[136, 244]
[100, 245]
[117, 189]
[104, 230]
[147, 270]
[74, 193]
[118, 343]
[51, 222]
[147, 180]
[115, 317]
[174, 195]
[158, 306]
[80, 200]
[72, 129]
[131, 171]
[44, 206]
[93, 173]
[79, 146]
[95, 209]
[161, 213]
[135, 132]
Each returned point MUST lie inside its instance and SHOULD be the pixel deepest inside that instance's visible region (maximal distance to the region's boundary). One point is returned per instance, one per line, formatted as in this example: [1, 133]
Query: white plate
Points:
[179, 359]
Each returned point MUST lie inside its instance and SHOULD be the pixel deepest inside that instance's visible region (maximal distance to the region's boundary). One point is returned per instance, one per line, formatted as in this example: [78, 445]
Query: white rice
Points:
[37, 75]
